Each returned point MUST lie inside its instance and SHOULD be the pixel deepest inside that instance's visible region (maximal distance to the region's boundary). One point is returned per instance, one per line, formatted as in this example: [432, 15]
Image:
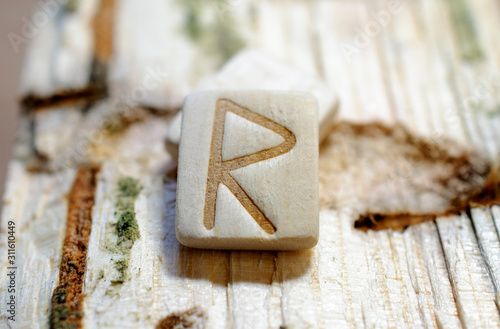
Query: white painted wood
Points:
[38, 59]
[495, 213]
[430, 278]
[158, 61]
[489, 244]
[54, 130]
[474, 292]
[60, 53]
[468, 272]
[73, 60]
[144, 69]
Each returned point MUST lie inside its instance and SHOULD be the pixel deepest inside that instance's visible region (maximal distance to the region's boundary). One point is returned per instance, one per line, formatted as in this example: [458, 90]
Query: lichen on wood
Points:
[218, 36]
[126, 227]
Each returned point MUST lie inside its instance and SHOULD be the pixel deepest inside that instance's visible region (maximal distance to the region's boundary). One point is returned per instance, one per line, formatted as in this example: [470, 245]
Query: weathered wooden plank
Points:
[467, 270]
[330, 33]
[489, 244]
[412, 71]
[250, 290]
[450, 122]
[345, 275]
[495, 213]
[115, 270]
[472, 287]
[410, 306]
[471, 64]
[158, 61]
[37, 204]
[429, 277]
[54, 131]
[144, 67]
[60, 57]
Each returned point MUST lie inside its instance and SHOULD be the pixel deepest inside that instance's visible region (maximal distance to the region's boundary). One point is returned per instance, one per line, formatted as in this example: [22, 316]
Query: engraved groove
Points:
[247, 203]
[218, 171]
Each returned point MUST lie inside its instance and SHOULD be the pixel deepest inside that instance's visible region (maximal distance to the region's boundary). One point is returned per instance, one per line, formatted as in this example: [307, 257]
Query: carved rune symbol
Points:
[219, 170]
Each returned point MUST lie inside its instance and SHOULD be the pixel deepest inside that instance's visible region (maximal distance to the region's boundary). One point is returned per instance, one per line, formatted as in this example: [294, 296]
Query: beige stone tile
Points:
[248, 171]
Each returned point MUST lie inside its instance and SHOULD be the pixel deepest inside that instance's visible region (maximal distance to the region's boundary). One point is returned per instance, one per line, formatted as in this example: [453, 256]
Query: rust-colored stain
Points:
[395, 222]
[119, 122]
[390, 178]
[219, 170]
[67, 299]
[193, 318]
[103, 48]
[33, 102]
[103, 30]
[489, 195]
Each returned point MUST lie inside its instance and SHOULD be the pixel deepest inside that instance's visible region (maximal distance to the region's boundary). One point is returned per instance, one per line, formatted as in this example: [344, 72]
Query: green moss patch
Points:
[126, 228]
[122, 267]
[219, 36]
[128, 188]
[466, 31]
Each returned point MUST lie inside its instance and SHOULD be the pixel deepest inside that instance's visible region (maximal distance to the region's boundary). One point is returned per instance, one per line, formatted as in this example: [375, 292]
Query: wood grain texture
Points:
[430, 65]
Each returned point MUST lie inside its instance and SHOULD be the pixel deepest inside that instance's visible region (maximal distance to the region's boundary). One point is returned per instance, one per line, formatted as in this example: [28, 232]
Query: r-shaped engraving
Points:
[218, 170]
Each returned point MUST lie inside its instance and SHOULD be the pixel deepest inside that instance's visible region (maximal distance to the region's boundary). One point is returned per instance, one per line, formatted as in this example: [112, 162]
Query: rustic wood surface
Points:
[101, 84]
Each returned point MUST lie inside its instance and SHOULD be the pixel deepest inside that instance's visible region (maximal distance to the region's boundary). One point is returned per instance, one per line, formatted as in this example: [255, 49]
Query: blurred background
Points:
[11, 15]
